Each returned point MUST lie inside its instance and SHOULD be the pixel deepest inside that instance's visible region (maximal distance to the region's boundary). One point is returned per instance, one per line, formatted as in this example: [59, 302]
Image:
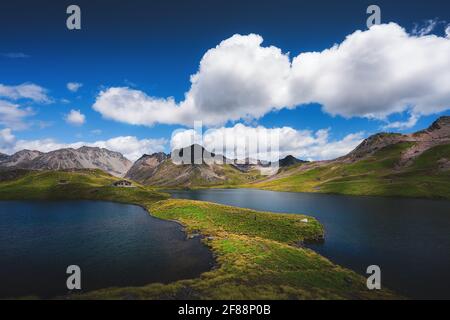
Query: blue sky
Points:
[154, 47]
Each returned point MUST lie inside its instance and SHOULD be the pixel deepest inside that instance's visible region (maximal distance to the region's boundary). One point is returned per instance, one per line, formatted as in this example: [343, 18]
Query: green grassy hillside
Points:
[80, 184]
[377, 175]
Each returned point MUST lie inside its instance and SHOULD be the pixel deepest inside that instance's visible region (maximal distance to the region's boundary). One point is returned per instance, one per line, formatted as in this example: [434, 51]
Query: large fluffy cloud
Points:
[136, 107]
[376, 73]
[242, 142]
[130, 146]
[372, 74]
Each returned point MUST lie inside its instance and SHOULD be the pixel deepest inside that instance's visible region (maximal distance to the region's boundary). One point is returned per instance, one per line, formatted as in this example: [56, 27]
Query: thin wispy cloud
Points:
[13, 115]
[426, 27]
[402, 125]
[29, 91]
[15, 55]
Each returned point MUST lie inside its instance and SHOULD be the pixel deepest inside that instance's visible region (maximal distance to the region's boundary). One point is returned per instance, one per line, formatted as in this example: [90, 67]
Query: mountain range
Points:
[385, 164]
[380, 164]
[160, 169]
[111, 162]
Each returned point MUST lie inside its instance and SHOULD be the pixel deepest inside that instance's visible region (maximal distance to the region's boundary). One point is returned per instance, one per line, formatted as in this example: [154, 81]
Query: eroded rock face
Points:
[145, 167]
[437, 134]
[21, 159]
[83, 158]
[373, 144]
[440, 129]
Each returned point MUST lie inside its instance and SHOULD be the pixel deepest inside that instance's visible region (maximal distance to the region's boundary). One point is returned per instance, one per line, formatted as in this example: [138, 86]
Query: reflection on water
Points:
[408, 238]
[114, 244]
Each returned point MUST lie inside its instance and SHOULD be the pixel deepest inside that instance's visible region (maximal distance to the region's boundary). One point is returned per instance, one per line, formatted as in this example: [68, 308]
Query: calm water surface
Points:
[114, 245]
[408, 238]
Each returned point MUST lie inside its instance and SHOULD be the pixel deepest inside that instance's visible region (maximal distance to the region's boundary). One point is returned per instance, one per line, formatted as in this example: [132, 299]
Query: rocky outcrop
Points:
[145, 167]
[21, 159]
[373, 144]
[437, 134]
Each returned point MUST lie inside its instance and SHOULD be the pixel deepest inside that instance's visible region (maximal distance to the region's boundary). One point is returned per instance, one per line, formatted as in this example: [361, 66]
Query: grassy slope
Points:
[257, 259]
[377, 176]
[256, 251]
[82, 184]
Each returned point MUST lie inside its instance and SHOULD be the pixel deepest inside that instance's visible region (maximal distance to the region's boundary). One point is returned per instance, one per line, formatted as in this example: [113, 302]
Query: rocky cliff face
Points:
[83, 158]
[145, 167]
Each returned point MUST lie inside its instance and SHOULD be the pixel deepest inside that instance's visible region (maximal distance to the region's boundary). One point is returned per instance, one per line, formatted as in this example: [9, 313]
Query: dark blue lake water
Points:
[114, 245]
[408, 238]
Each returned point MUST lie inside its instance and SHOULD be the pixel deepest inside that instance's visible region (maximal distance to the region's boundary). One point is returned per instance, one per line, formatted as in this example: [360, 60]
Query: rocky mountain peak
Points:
[374, 143]
[440, 123]
[146, 165]
[436, 134]
[91, 149]
[440, 129]
[83, 158]
[194, 154]
[20, 158]
[289, 161]
[3, 157]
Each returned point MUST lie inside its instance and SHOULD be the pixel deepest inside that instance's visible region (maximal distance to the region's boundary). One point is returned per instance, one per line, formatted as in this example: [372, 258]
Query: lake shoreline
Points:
[79, 232]
[224, 187]
[234, 241]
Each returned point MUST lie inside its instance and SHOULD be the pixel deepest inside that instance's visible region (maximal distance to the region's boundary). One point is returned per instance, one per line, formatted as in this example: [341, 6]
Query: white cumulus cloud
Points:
[7, 140]
[25, 91]
[131, 147]
[75, 117]
[12, 116]
[74, 86]
[372, 74]
[376, 73]
[136, 107]
[241, 141]
[402, 125]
